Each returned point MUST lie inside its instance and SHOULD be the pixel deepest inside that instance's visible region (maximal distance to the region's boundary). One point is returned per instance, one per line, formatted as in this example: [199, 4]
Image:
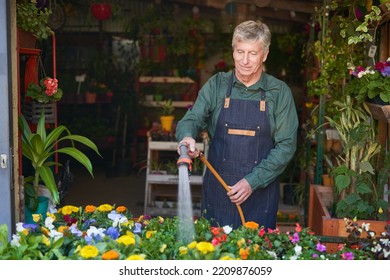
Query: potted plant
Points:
[167, 116]
[39, 147]
[31, 19]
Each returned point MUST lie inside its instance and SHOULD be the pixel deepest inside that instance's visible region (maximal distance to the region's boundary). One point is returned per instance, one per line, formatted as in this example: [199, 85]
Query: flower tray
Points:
[323, 224]
[32, 111]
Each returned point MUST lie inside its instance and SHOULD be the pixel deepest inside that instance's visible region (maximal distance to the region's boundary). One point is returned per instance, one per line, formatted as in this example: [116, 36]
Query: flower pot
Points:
[43, 204]
[90, 97]
[167, 122]
[323, 224]
[26, 39]
[101, 11]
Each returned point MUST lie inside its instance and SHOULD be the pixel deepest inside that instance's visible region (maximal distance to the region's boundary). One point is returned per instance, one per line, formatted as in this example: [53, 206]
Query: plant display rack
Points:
[161, 189]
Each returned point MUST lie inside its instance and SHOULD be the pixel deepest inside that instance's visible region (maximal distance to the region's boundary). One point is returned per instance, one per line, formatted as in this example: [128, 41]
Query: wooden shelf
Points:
[380, 112]
[166, 80]
[176, 104]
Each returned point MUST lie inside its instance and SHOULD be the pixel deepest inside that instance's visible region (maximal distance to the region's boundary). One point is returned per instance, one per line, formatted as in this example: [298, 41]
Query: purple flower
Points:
[386, 71]
[112, 232]
[320, 247]
[347, 256]
[31, 227]
[314, 256]
[295, 238]
[138, 227]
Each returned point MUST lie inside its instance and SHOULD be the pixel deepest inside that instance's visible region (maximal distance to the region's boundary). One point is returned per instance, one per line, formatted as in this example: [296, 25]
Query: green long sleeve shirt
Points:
[281, 111]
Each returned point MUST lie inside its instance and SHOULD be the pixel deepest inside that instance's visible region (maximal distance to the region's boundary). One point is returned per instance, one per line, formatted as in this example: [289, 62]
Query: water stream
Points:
[186, 230]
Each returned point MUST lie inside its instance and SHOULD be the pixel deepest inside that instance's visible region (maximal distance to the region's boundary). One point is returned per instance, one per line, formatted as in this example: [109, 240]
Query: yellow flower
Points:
[45, 240]
[150, 233]
[68, 209]
[110, 255]
[241, 242]
[62, 229]
[89, 251]
[45, 231]
[227, 257]
[162, 248]
[205, 247]
[36, 217]
[126, 240]
[192, 245]
[183, 250]
[380, 210]
[105, 208]
[136, 257]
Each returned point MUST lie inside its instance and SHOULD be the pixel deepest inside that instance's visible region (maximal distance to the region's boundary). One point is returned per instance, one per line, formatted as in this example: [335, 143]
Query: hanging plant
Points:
[101, 11]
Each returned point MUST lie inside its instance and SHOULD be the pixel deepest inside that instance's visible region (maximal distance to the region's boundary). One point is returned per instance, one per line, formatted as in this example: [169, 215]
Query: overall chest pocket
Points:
[241, 143]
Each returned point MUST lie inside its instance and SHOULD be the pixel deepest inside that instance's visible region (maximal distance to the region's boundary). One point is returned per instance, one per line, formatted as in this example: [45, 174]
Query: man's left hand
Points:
[240, 192]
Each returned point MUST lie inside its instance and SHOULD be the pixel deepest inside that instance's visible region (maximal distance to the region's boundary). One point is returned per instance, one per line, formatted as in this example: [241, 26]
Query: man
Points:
[252, 122]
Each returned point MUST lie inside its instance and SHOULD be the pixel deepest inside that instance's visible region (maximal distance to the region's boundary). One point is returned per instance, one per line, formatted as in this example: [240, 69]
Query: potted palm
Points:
[39, 148]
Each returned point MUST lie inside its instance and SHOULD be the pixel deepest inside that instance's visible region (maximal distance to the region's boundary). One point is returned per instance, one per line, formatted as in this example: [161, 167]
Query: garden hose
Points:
[219, 178]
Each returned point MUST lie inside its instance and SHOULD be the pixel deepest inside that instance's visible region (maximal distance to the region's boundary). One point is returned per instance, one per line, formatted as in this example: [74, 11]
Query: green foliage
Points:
[31, 19]
[167, 108]
[39, 148]
[357, 191]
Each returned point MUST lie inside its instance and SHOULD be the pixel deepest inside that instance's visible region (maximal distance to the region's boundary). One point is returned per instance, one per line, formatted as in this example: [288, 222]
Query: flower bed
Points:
[106, 232]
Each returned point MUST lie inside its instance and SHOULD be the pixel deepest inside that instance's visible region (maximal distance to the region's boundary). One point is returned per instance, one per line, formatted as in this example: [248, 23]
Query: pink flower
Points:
[51, 86]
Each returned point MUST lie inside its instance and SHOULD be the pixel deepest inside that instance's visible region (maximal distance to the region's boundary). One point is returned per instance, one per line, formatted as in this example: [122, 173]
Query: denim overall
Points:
[242, 139]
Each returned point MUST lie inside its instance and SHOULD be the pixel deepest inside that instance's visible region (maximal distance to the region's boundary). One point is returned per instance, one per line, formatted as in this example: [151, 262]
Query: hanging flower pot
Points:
[101, 11]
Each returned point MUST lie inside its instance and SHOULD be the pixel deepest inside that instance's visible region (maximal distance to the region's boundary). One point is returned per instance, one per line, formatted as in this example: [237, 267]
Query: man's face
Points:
[248, 58]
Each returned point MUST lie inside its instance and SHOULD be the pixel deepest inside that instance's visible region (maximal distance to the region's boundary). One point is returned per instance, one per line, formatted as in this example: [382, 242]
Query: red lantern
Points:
[101, 11]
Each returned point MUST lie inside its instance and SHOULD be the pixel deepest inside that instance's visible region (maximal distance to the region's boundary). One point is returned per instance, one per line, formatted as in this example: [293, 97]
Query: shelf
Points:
[166, 80]
[177, 104]
[166, 212]
[380, 112]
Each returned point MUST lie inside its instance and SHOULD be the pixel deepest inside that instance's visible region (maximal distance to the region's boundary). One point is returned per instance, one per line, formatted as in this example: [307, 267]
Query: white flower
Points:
[366, 226]
[19, 227]
[56, 235]
[227, 229]
[272, 254]
[15, 240]
[386, 253]
[49, 222]
[298, 250]
[385, 242]
[75, 231]
[94, 232]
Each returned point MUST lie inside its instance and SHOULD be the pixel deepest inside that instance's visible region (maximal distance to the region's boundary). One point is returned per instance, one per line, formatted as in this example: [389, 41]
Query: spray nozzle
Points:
[184, 158]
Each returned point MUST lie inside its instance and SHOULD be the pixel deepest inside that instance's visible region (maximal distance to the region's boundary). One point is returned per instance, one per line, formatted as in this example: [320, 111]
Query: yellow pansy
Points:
[150, 233]
[136, 257]
[68, 209]
[192, 245]
[36, 217]
[162, 248]
[205, 247]
[241, 242]
[45, 240]
[183, 250]
[126, 240]
[89, 251]
[105, 208]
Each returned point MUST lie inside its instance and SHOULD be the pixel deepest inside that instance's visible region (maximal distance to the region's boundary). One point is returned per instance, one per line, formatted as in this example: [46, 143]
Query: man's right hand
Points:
[191, 144]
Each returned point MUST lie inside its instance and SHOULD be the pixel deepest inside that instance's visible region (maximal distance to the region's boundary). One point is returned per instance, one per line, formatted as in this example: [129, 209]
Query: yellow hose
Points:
[219, 178]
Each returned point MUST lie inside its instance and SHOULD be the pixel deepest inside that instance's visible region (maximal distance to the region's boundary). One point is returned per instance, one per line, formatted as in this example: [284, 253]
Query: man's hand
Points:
[240, 192]
[191, 145]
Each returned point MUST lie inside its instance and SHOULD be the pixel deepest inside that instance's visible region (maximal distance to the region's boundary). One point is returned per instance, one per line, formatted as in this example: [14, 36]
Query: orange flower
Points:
[252, 225]
[90, 208]
[298, 228]
[110, 255]
[121, 209]
[244, 253]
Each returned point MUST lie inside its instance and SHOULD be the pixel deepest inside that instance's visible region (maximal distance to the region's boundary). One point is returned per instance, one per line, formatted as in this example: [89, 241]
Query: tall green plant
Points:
[39, 148]
[357, 191]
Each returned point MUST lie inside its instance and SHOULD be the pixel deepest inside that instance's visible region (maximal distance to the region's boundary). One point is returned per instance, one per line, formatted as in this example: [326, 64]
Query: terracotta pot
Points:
[101, 11]
[90, 97]
[26, 39]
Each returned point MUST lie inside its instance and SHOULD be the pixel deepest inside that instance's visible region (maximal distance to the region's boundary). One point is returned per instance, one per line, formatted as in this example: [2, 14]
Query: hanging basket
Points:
[101, 11]
[32, 111]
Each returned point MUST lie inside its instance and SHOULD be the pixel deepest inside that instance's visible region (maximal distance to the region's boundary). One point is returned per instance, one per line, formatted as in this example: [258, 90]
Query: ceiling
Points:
[281, 11]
